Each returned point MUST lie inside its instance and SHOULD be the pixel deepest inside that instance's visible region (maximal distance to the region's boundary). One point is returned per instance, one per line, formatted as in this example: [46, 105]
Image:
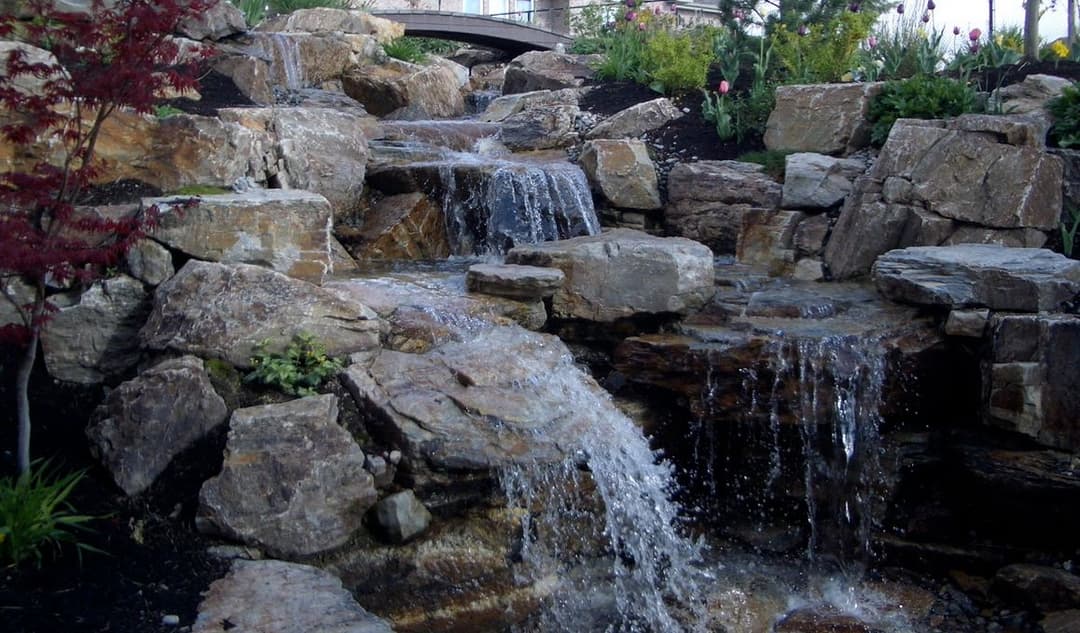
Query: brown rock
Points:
[407, 226]
[623, 172]
[826, 118]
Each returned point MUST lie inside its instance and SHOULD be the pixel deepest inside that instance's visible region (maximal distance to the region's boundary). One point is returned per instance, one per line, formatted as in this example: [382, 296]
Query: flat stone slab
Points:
[978, 275]
[272, 596]
[513, 281]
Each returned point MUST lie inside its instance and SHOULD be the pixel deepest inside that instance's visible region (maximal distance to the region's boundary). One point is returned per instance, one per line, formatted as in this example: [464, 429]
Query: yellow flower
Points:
[1059, 50]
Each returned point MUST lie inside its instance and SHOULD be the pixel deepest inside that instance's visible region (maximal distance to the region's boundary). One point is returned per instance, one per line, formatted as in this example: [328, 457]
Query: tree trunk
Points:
[990, 22]
[1031, 30]
[22, 396]
[1071, 28]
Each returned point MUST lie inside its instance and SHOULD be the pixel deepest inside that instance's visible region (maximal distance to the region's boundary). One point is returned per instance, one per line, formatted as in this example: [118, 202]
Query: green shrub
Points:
[1070, 222]
[299, 371]
[1065, 132]
[254, 10]
[35, 514]
[624, 57]
[677, 62]
[288, 6]
[921, 97]
[166, 111]
[407, 49]
[200, 190]
[826, 52]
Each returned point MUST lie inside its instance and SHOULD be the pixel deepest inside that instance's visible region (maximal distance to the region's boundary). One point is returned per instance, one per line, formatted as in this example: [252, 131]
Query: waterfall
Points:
[286, 60]
[807, 437]
[603, 522]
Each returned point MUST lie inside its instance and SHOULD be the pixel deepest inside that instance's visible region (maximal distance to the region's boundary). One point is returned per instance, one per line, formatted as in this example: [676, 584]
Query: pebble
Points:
[170, 620]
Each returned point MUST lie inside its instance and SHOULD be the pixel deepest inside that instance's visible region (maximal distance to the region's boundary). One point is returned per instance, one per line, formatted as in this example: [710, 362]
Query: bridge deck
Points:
[508, 35]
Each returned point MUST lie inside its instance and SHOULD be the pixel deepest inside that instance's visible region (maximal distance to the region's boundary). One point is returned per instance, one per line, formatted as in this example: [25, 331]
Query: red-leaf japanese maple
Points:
[117, 55]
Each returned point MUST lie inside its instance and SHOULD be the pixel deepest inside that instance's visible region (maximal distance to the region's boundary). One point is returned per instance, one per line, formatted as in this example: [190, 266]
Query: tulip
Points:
[631, 3]
[656, 11]
[803, 31]
[974, 48]
[641, 26]
[853, 7]
[724, 87]
[900, 8]
[974, 35]
[926, 17]
[871, 42]
[956, 30]
[930, 6]
[631, 16]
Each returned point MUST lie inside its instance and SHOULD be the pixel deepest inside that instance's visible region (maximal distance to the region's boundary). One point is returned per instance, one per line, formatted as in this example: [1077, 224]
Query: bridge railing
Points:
[558, 18]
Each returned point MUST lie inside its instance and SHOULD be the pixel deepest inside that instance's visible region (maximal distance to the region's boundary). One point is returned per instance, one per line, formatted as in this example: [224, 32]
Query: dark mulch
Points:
[992, 78]
[216, 91]
[690, 137]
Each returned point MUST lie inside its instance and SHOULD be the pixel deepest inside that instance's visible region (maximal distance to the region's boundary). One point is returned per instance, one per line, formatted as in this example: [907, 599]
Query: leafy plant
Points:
[822, 53]
[116, 56]
[299, 371]
[288, 6]
[35, 514]
[716, 109]
[676, 62]
[624, 57]
[407, 49]
[200, 190]
[921, 97]
[1065, 132]
[166, 111]
[254, 10]
[1069, 227]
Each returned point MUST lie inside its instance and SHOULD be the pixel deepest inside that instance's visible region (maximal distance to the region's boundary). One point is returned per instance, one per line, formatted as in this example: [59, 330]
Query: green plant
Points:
[299, 371]
[676, 62]
[288, 6]
[200, 190]
[254, 10]
[1065, 109]
[166, 111]
[407, 49]
[774, 161]
[921, 97]
[1069, 226]
[624, 57]
[35, 514]
[716, 109]
[589, 26]
[822, 53]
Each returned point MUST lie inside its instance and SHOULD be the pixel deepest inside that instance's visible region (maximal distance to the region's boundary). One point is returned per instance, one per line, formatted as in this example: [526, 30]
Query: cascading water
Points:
[604, 523]
[285, 60]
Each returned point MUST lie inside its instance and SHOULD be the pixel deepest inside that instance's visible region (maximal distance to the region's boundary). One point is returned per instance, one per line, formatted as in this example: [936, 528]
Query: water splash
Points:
[604, 522]
[285, 56]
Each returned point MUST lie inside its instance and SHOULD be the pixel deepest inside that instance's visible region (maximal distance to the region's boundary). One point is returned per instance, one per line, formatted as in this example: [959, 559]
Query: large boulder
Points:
[708, 200]
[540, 127]
[975, 178]
[514, 282]
[623, 173]
[546, 70]
[1029, 96]
[817, 181]
[636, 120]
[273, 596]
[284, 230]
[94, 336]
[323, 150]
[147, 421]
[400, 90]
[219, 21]
[822, 118]
[225, 311]
[294, 61]
[149, 262]
[978, 275]
[507, 105]
[407, 226]
[472, 407]
[623, 273]
[293, 481]
[1038, 587]
[1032, 378]
[326, 20]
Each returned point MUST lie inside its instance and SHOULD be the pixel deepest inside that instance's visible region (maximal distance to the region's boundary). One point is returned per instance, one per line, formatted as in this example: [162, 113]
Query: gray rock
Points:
[1016, 238]
[546, 70]
[823, 118]
[766, 240]
[507, 105]
[970, 323]
[816, 181]
[284, 230]
[220, 20]
[636, 120]
[147, 421]
[1067, 621]
[13, 292]
[222, 311]
[622, 273]
[399, 90]
[1032, 379]
[149, 262]
[1029, 96]
[406, 226]
[273, 596]
[96, 337]
[540, 127]
[978, 275]
[707, 200]
[327, 20]
[380, 469]
[515, 282]
[810, 234]
[402, 516]
[1038, 586]
[293, 481]
[809, 269]
[465, 409]
[623, 173]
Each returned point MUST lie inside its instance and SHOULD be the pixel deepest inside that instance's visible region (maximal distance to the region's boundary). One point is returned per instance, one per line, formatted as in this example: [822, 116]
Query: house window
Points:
[473, 6]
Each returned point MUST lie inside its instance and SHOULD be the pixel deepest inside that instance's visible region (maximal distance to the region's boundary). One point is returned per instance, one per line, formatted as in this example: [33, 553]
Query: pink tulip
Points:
[641, 26]
[803, 31]
[724, 87]
[631, 16]
[871, 42]
[974, 35]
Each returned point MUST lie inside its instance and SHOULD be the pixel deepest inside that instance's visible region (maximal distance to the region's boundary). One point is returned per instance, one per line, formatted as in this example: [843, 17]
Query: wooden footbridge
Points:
[513, 36]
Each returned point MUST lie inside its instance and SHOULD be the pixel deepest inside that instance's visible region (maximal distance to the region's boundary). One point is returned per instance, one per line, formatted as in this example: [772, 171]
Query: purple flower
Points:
[871, 42]
[631, 3]
[724, 87]
[900, 8]
[631, 16]
[803, 31]
[641, 26]
[853, 7]
[930, 6]
[956, 30]
[926, 17]
[975, 34]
